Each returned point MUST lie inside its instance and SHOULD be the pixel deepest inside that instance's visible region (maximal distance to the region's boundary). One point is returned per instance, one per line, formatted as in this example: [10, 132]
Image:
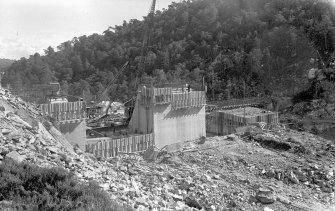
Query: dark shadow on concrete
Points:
[183, 112]
[161, 108]
[69, 127]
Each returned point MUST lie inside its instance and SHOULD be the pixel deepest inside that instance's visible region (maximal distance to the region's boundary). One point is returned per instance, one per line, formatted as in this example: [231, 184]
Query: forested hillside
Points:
[266, 43]
[5, 63]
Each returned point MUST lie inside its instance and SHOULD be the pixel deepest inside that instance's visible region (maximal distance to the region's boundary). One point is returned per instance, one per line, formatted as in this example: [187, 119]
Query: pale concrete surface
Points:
[173, 126]
[74, 132]
[172, 117]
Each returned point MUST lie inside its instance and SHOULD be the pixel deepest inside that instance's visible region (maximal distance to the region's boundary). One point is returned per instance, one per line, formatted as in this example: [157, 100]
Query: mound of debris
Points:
[27, 136]
[312, 176]
[273, 169]
[228, 173]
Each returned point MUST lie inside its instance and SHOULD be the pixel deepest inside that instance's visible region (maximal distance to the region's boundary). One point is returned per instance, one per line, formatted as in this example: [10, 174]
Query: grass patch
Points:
[28, 187]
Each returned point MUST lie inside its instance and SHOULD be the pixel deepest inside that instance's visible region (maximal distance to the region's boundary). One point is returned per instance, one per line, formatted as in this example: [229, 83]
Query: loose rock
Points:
[265, 196]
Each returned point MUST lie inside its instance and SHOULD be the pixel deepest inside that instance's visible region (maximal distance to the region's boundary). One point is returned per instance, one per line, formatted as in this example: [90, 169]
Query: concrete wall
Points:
[142, 118]
[109, 147]
[171, 117]
[173, 126]
[64, 111]
[74, 132]
[226, 122]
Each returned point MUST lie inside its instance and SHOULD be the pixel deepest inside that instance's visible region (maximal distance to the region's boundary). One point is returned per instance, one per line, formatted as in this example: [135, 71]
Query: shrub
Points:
[304, 96]
[33, 188]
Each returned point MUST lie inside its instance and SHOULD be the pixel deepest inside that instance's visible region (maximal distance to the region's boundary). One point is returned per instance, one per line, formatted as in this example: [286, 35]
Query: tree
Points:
[265, 43]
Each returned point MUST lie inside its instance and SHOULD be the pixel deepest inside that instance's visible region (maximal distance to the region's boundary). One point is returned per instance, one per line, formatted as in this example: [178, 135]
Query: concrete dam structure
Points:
[172, 114]
[70, 120]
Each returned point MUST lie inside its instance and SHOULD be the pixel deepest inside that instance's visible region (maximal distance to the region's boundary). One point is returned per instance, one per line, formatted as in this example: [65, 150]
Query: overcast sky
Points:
[29, 26]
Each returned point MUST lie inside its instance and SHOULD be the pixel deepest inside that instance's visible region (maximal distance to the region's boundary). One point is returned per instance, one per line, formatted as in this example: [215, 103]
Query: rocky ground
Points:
[276, 169]
[234, 173]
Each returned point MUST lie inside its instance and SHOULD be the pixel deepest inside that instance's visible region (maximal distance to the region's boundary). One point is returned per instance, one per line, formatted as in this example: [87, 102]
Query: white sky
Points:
[29, 26]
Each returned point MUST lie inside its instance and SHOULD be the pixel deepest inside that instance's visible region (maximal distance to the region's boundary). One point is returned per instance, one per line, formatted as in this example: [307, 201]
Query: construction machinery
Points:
[145, 41]
[99, 110]
[148, 26]
[99, 114]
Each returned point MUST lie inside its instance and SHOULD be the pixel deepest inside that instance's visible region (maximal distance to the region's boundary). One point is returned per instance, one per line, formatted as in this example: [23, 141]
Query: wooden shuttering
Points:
[162, 95]
[188, 99]
[64, 111]
[233, 103]
[108, 147]
[178, 100]
[221, 123]
[153, 96]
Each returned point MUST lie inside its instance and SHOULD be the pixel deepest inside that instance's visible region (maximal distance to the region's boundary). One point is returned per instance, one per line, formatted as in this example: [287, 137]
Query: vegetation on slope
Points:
[5, 63]
[28, 187]
[266, 43]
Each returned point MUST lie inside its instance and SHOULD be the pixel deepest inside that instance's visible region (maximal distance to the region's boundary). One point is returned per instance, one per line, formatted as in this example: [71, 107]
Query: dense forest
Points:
[4, 64]
[264, 44]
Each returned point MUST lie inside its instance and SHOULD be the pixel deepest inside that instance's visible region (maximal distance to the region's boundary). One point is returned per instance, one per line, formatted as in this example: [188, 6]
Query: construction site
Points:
[236, 145]
[191, 145]
[235, 156]
[158, 116]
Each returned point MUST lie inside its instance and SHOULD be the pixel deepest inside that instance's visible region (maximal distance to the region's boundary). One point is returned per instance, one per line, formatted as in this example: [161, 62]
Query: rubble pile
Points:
[321, 179]
[236, 172]
[174, 185]
[27, 136]
[315, 176]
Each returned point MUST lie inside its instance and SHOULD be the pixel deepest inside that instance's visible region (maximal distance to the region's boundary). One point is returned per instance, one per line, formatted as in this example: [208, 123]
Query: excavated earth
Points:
[276, 169]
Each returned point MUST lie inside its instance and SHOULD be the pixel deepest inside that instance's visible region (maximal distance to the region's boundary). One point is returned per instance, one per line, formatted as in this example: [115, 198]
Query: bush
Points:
[304, 96]
[29, 187]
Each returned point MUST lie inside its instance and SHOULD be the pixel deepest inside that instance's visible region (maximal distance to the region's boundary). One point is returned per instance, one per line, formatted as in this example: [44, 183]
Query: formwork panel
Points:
[225, 122]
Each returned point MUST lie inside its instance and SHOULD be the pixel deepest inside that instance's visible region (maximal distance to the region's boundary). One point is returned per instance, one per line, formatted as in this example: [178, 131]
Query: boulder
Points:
[5, 131]
[150, 154]
[327, 189]
[265, 196]
[123, 168]
[205, 178]
[89, 175]
[15, 156]
[176, 197]
[185, 184]
[293, 178]
[178, 206]
[301, 175]
[53, 150]
[141, 201]
[271, 173]
[283, 199]
[192, 202]
[16, 138]
[105, 186]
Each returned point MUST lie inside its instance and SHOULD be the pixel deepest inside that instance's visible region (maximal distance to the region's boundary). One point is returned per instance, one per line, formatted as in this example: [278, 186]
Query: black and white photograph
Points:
[167, 105]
